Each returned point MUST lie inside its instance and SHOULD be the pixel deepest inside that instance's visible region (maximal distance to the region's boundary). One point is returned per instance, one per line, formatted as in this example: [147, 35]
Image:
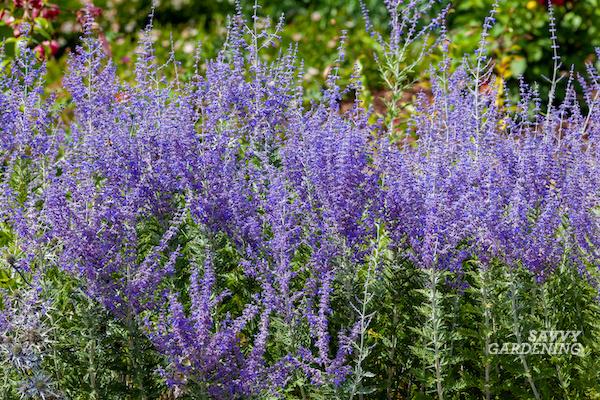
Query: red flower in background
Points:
[35, 4]
[51, 11]
[554, 2]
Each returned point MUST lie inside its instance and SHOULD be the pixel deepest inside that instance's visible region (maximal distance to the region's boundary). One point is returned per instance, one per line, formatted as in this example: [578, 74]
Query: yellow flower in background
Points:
[374, 334]
[532, 5]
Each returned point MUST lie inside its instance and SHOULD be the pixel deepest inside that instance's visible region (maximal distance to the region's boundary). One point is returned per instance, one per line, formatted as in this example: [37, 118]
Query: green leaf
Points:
[518, 66]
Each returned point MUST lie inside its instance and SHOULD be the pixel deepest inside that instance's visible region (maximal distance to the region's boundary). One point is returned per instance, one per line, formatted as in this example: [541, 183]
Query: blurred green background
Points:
[520, 40]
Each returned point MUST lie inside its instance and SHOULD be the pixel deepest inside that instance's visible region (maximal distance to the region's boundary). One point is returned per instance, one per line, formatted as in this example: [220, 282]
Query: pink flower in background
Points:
[41, 50]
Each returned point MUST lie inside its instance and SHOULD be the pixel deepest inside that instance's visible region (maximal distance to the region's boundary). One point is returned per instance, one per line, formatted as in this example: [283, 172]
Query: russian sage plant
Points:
[240, 241]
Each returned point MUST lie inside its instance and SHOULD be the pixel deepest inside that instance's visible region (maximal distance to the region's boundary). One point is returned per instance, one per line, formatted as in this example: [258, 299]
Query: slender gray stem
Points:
[517, 333]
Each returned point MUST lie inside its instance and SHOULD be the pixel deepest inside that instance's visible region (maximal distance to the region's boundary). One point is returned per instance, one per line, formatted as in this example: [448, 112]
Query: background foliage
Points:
[520, 39]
